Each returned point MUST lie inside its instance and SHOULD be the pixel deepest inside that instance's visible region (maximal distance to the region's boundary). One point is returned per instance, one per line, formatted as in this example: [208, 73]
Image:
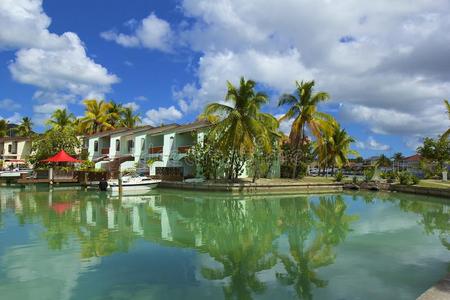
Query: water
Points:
[71, 244]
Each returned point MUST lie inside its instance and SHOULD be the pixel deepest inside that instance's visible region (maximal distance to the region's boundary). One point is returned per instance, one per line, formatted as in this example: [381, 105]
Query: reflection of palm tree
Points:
[333, 222]
[239, 235]
[331, 227]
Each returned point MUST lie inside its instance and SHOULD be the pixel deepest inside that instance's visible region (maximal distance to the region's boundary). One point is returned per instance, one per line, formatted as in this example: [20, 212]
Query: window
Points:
[117, 145]
[9, 148]
[130, 146]
[14, 147]
[96, 146]
[143, 144]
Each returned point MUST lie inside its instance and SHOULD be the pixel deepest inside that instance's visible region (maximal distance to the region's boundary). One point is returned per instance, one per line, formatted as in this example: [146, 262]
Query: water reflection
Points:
[254, 241]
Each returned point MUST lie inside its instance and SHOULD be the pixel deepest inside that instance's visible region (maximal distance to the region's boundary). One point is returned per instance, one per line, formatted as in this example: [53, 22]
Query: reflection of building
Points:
[14, 150]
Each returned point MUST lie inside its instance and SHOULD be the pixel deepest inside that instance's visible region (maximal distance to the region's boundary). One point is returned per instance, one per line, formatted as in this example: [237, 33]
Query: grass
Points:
[431, 183]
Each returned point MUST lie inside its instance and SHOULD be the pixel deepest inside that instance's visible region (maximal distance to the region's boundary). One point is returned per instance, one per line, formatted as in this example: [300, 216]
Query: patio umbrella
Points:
[60, 157]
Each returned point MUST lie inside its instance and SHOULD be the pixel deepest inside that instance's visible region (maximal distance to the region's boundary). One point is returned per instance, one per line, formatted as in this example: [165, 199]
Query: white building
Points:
[14, 150]
[168, 144]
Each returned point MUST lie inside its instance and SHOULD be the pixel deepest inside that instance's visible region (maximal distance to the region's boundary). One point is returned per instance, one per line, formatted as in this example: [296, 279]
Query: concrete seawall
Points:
[253, 188]
[445, 193]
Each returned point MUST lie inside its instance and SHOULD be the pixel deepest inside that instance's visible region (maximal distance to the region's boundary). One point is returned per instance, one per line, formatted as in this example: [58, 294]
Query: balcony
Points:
[155, 150]
[184, 149]
[105, 151]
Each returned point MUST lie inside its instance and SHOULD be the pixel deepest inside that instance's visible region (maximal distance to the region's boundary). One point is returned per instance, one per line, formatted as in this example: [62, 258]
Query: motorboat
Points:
[136, 184]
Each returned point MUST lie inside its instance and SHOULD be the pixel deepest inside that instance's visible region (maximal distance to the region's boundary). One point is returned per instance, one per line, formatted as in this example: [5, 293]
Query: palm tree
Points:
[115, 111]
[25, 128]
[3, 128]
[129, 119]
[397, 158]
[61, 118]
[96, 117]
[334, 149]
[447, 133]
[241, 127]
[303, 109]
[383, 161]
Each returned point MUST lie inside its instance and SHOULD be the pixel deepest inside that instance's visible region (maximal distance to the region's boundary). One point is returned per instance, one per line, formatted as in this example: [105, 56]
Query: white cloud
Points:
[16, 118]
[275, 70]
[390, 72]
[133, 105]
[372, 144]
[141, 98]
[66, 69]
[152, 33]
[156, 117]
[9, 104]
[57, 64]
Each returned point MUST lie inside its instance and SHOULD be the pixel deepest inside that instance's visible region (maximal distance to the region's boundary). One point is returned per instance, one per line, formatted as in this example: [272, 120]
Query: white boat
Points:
[133, 184]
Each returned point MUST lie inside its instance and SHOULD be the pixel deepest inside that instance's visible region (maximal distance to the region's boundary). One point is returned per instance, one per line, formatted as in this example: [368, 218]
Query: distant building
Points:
[14, 150]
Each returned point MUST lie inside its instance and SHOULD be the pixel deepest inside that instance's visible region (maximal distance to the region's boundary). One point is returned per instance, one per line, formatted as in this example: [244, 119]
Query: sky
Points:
[385, 63]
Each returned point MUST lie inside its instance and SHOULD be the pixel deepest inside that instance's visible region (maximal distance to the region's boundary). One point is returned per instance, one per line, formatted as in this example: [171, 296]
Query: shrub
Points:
[415, 180]
[369, 173]
[391, 176]
[405, 178]
[355, 180]
[339, 176]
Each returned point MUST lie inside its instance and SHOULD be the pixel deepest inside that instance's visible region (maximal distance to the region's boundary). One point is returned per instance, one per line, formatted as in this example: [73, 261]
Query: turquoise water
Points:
[69, 244]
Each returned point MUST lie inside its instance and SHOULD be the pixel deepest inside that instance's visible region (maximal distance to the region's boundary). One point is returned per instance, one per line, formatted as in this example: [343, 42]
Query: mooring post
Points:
[120, 182]
[50, 176]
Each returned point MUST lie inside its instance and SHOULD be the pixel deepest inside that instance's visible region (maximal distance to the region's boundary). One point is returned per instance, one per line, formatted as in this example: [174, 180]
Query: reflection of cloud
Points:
[53, 274]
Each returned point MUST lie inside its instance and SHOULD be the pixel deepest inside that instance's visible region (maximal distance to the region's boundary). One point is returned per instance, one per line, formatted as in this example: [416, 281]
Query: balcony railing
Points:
[184, 149]
[155, 150]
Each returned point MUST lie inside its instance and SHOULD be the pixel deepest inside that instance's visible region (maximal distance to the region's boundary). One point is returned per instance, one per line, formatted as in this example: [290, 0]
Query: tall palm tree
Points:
[115, 111]
[383, 161]
[397, 158]
[25, 128]
[336, 148]
[303, 109]
[3, 127]
[96, 117]
[447, 133]
[241, 126]
[129, 119]
[61, 118]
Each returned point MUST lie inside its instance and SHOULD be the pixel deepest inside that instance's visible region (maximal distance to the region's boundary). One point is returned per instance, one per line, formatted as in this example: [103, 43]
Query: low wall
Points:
[254, 188]
[421, 190]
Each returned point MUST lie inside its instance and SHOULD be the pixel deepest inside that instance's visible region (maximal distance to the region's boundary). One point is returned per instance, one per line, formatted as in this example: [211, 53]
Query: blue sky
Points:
[385, 65]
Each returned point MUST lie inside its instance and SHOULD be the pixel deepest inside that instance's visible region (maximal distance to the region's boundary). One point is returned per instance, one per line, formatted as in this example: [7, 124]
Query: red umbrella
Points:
[62, 156]
[60, 208]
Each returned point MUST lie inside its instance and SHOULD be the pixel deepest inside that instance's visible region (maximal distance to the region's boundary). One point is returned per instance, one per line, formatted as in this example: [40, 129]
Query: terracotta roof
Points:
[107, 132]
[415, 157]
[193, 126]
[15, 138]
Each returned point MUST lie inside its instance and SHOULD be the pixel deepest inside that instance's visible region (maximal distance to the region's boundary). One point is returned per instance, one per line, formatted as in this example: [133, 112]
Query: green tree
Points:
[447, 133]
[129, 119]
[25, 128]
[115, 112]
[334, 148]
[241, 127]
[61, 118]
[97, 117]
[3, 128]
[383, 161]
[435, 152]
[303, 109]
[53, 141]
[397, 158]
